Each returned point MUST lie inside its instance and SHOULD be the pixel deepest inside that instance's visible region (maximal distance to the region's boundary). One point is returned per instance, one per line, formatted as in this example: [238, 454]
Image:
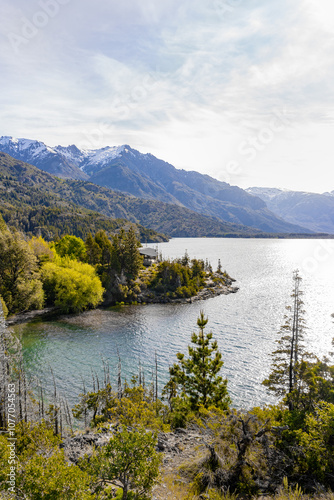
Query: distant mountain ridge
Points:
[124, 169]
[311, 210]
[37, 202]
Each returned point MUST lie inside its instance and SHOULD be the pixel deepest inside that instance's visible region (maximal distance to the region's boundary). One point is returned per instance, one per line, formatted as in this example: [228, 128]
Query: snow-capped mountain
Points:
[127, 170]
[90, 160]
[42, 156]
[62, 161]
[311, 210]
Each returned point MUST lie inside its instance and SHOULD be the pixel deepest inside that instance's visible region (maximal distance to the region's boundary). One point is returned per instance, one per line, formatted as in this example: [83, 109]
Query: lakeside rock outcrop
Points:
[214, 286]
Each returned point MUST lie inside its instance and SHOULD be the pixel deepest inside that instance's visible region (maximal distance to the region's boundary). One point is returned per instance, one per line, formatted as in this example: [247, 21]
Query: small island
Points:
[182, 280]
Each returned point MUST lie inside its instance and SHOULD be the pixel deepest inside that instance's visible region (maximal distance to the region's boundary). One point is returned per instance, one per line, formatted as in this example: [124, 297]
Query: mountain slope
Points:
[311, 210]
[129, 171]
[193, 190]
[27, 206]
[25, 190]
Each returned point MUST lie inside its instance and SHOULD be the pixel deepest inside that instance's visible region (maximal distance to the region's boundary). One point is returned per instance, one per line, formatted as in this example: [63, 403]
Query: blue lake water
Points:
[245, 324]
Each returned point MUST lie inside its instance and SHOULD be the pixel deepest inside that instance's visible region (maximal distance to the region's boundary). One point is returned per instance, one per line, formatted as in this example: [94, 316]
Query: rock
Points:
[79, 445]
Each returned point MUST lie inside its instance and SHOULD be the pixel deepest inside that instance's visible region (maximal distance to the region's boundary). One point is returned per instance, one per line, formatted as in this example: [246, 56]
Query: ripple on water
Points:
[245, 324]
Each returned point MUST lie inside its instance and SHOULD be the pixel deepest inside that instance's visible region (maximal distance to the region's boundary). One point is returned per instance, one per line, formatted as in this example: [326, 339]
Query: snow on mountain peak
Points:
[25, 149]
[6, 139]
[84, 158]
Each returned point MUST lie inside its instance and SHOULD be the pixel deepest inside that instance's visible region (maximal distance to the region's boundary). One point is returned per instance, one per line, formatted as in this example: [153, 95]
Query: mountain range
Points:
[126, 170]
[311, 210]
[37, 202]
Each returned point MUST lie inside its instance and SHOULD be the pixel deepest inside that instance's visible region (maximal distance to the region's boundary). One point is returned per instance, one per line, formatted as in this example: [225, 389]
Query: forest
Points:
[134, 432]
[68, 274]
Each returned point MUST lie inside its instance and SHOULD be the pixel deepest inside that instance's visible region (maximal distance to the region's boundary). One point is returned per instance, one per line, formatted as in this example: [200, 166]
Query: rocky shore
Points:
[214, 286]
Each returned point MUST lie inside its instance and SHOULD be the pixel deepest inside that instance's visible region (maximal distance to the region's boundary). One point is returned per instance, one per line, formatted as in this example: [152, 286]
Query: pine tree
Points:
[284, 377]
[132, 258]
[93, 250]
[198, 376]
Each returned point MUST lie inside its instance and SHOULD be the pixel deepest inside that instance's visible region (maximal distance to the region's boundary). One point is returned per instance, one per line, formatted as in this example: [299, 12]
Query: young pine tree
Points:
[198, 376]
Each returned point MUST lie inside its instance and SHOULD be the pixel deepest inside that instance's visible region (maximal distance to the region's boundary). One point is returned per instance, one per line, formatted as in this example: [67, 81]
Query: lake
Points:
[245, 324]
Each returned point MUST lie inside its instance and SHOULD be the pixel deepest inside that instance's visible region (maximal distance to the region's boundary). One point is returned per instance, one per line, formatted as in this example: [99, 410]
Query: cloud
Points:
[189, 80]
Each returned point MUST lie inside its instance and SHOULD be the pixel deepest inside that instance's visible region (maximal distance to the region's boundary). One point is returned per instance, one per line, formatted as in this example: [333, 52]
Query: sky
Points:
[241, 90]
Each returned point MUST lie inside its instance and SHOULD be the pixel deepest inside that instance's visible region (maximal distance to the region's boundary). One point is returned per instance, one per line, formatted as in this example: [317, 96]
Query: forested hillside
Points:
[34, 202]
[26, 193]
[143, 175]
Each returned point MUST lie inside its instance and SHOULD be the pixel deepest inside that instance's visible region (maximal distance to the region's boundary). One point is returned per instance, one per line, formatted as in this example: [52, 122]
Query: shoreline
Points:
[210, 291]
[205, 293]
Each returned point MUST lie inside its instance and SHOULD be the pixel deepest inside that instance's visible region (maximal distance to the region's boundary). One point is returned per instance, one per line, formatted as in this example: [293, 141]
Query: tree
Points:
[41, 249]
[198, 376]
[10, 361]
[284, 377]
[93, 250]
[71, 285]
[104, 244]
[3, 227]
[41, 468]
[130, 457]
[71, 246]
[20, 284]
[316, 440]
[133, 261]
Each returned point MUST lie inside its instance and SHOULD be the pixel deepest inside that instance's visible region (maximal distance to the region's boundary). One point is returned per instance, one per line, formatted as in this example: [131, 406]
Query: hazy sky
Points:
[239, 89]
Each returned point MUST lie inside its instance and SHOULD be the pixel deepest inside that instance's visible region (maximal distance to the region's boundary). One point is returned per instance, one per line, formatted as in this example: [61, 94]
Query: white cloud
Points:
[187, 81]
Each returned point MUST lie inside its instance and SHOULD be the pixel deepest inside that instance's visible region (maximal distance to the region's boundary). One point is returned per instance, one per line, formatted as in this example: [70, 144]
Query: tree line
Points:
[70, 274]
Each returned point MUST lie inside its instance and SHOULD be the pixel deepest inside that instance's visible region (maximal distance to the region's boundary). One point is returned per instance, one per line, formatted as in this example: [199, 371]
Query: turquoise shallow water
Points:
[245, 324]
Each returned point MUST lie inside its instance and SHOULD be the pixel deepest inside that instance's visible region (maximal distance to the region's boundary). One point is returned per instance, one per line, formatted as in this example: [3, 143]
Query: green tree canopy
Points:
[197, 378]
[71, 246]
[71, 285]
[42, 471]
[130, 458]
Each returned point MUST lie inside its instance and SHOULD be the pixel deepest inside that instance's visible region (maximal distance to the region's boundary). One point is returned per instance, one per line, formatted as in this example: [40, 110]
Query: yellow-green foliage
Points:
[71, 285]
[42, 250]
[130, 458]
[137, 408]
[317, 442]
[71, 246]
[41, 469]
[4, 308]
[20, 284]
